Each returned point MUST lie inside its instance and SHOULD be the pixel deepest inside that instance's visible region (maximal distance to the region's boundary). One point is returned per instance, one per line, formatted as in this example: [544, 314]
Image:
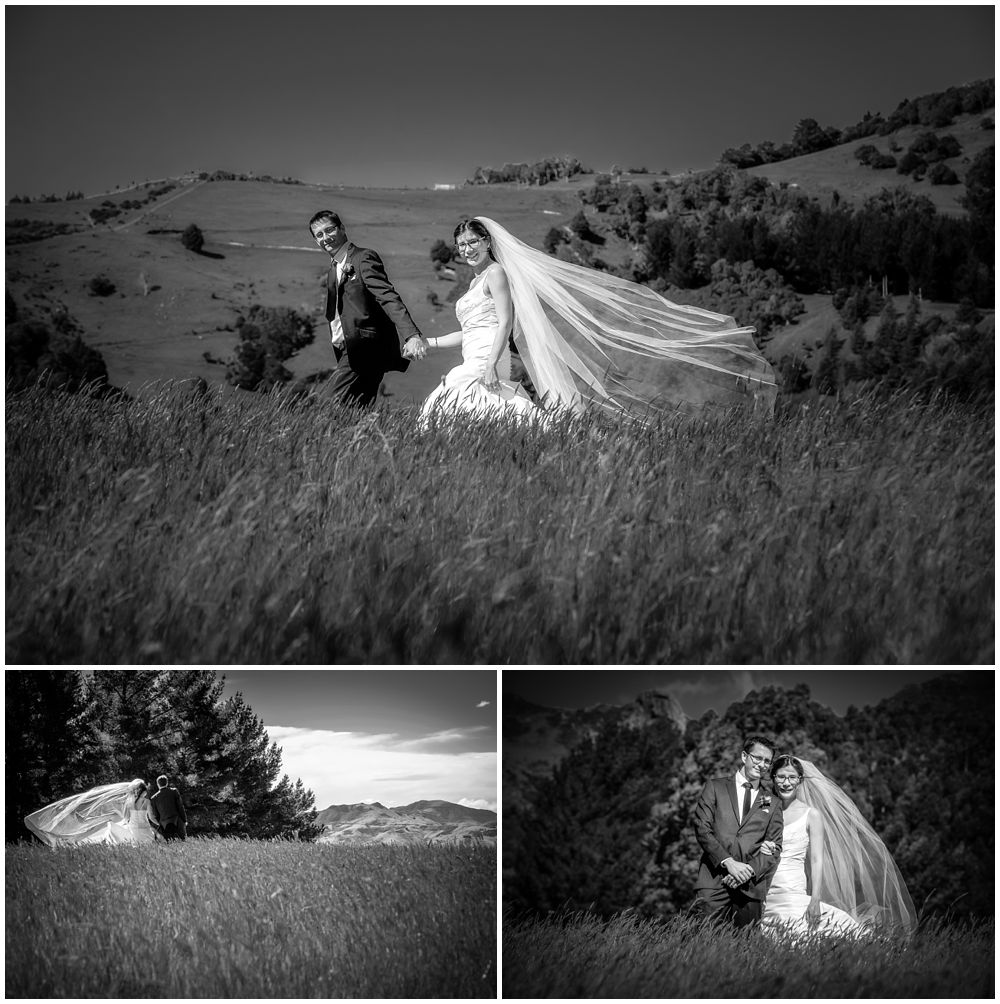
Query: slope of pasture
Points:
[257, 249]
[837, 169]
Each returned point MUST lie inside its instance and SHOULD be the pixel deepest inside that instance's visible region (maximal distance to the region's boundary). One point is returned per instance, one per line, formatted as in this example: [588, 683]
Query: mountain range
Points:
[434, 821]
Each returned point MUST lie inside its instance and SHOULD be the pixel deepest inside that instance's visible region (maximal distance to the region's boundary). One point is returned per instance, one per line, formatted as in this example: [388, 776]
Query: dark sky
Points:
[393, 96]
[701, 689]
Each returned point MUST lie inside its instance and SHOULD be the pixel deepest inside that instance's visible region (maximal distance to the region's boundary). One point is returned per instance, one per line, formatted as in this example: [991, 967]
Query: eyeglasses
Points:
[790, 779]
[759, 760]
[470, 245]
[321, 234]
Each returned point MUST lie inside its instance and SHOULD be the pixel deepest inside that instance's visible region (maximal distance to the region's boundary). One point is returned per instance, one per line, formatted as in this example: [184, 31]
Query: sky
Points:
[359, 94]
[697, 690]
[389, 736]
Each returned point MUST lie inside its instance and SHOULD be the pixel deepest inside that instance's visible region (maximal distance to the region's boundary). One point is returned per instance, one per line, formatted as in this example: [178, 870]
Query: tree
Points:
[193, 239]
[113, 726]
[268, 337]
[442, 253]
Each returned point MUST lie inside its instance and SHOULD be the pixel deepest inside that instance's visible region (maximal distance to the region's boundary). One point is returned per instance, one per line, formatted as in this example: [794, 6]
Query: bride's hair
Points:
[787, 760]
[477, 228]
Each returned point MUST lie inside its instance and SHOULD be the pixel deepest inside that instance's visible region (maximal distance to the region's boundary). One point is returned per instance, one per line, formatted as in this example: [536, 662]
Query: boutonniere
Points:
[765, 802]
[348, 272]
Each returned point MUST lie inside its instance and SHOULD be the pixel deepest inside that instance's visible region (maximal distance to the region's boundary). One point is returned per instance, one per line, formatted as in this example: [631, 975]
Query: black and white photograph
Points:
[501, 335]
[251, 834]
[733, 834]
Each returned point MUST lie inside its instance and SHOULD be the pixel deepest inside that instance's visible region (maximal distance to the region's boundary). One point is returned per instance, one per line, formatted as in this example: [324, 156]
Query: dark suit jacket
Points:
[166, 805]
[718, 829]
[376, 323]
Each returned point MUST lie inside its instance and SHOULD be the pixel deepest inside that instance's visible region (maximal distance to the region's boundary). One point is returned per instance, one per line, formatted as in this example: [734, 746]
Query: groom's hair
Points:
[161, 781]
[751, 741]
[325, 214]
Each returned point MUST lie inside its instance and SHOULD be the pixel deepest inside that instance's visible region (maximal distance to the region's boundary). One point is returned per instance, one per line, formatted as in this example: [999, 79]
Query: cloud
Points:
[348, 767]
[483, 704]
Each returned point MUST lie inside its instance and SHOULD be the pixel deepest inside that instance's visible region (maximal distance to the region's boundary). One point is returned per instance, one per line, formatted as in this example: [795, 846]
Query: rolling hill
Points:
[435, 821]
[173, 312]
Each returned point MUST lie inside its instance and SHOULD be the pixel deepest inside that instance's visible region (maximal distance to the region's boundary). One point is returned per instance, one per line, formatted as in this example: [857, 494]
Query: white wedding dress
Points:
[788, 895]
[104, 815]
[462, 389]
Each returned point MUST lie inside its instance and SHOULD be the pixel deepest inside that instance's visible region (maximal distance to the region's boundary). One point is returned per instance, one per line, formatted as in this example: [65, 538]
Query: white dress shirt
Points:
[742, 779]
[336, 328]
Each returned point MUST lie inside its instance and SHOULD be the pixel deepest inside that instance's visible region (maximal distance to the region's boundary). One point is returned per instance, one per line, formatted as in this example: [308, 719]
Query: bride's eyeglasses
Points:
[469, 245]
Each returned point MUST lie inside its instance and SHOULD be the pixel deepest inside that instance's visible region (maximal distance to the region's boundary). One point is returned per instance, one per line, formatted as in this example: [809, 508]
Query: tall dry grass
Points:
[269, 529]
[229, 918]
[584, 956]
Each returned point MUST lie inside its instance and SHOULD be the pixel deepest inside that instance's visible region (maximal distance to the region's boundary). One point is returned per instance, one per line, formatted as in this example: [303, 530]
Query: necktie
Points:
[747, 788]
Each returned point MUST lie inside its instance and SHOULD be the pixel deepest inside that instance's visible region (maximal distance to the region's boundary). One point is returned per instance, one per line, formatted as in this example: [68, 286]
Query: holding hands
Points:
[415, 348]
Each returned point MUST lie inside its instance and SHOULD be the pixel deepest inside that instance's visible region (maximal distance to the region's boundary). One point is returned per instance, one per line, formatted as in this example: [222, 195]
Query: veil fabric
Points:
[587, 337]
[95, 816]
[859, 875]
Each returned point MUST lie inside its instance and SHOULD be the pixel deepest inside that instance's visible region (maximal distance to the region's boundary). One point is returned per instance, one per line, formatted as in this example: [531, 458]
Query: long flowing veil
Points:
[587, 337]
[82, 818]
[859, 875]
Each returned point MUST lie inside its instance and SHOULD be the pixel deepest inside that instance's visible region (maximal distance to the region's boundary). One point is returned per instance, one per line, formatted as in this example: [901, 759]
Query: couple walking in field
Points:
[120, 813]
[803, 860]
[586, 338]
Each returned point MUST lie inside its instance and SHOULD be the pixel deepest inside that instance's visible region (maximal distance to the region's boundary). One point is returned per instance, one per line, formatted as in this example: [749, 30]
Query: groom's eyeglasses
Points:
[759, 760]
[471, 245]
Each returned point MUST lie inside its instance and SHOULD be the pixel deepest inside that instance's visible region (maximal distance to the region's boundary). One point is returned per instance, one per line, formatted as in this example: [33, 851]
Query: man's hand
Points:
[415, 348]
[739, 870]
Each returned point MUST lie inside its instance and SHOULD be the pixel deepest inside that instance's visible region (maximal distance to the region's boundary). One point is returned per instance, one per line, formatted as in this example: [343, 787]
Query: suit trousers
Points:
[172, 829]
[348, 386]
[730, 906]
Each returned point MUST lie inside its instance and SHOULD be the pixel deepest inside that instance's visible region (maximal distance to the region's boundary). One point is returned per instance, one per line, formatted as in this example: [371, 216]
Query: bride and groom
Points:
[801, 860]
[585, 337]
[119, 813]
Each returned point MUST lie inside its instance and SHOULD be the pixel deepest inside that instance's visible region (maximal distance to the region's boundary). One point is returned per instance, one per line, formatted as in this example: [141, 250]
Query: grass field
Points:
[226, 918]
[582, 956]
[180, 528]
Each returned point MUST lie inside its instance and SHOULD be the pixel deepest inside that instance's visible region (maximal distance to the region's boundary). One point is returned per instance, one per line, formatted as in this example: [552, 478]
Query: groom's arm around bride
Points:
[732, 819]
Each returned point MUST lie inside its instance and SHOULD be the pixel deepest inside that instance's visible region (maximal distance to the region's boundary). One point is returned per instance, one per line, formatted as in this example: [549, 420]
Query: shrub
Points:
[268, 336]
[101, 285]
[553, 239]
[193, 239]
[883, 162]
[866, 153]
[33, 350]
[441, 253]
[942, 174]
[986, 123]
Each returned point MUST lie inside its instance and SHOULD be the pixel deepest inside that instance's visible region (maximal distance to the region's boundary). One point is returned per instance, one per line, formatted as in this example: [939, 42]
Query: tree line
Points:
[610, 828]
[67, 731]
[937, 111]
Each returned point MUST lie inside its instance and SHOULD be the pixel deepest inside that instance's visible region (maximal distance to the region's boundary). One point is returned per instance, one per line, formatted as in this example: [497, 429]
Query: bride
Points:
[835, 876]
[109, 814]
[586, 338]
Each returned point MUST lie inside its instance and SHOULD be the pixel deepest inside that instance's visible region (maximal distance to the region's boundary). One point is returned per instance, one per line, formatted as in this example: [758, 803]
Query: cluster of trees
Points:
[108, 210]
[231, 176]
[686, 225]
[936, 111]
[25, 231]
[539, 173]
[67, 731]
[927, 353]
[26, 199]
[611, 829]
[53, 349]
[268, 337]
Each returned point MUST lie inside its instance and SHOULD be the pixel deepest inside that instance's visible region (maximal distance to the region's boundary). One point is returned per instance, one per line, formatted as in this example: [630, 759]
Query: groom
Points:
[167, 811]
[368, 320]
[733, 817]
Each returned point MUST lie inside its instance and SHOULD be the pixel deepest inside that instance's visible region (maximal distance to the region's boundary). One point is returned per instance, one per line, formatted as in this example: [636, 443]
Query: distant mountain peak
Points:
[425, 821]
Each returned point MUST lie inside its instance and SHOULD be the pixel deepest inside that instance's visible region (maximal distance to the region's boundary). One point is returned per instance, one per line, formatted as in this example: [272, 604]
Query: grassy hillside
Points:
[174, 311]
[837, 169]
[249, 528]
[250, 919]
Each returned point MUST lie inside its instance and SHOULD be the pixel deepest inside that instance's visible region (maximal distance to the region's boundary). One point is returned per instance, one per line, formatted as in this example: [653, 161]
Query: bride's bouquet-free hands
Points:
[415, 348]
